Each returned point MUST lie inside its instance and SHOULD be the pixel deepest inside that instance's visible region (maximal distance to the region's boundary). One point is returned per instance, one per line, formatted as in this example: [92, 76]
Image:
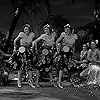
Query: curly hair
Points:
[27, 25]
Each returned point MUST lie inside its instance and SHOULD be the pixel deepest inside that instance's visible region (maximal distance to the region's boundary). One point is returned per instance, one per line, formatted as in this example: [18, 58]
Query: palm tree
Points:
[17, 14]
[48, 7]
[21, 6]
[35, 10]
[57, 22]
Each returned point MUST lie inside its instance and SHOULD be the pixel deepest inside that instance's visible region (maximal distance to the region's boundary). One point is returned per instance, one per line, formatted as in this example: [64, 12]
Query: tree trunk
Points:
[37, 26]
[13, 25]
[47, 4]
[31, 17]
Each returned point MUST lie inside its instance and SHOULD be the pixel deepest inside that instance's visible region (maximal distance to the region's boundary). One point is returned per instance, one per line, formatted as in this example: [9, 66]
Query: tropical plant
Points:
[57, 22]
[2, 40]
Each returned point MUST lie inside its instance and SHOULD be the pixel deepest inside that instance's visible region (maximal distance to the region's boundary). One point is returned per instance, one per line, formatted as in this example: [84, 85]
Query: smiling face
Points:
[67, 30]
[47, 30]
[85, 47]
[93, 45]
[26, 30]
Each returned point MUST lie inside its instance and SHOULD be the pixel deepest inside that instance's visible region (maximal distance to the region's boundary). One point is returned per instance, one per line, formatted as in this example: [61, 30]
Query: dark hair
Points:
[26, 25]
[68, 26]
[87, 44]
[47, 26]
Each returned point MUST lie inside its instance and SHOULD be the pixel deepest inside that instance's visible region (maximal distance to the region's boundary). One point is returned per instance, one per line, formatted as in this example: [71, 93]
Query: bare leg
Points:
[56, 74]
[19, 77]
[37, 78]
[50, 75]
[59, 79]
[30, 79]
[52, 80]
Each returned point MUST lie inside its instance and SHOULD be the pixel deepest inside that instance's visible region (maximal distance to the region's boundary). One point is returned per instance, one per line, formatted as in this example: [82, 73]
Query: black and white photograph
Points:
[49, 49]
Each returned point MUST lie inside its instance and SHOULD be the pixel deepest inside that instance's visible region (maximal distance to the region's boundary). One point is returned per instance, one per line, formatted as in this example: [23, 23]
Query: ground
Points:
[48, 92]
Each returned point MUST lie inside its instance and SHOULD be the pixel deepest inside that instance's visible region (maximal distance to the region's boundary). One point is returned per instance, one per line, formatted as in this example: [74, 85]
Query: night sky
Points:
[78, 14]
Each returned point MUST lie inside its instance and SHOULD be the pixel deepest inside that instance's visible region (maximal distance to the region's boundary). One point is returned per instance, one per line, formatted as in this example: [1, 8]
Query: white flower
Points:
[96, 41]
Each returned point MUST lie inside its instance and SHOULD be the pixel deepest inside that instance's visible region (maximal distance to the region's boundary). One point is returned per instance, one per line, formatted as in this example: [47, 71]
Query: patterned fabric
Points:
[45, 60]
[62, 59]
[93, 69]
[24, 60]
[48, 44]
[93, 73]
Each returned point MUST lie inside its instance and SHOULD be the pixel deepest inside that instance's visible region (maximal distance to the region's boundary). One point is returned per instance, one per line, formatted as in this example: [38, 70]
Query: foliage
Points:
[2, 40]
[31, 5]
[57, 22]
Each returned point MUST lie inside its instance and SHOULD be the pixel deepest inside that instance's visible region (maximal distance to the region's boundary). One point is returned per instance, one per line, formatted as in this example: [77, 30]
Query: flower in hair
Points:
[88, 44]
[45, 26]
[96, 41]
[67, 25]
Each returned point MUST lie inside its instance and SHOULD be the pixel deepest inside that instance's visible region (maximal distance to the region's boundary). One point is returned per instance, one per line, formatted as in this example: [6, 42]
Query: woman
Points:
[48, 41]
[25, 39]
[57, 61]
[82, 64]
[93, 69]
[94, 63]
[83, 56]
[67, 39]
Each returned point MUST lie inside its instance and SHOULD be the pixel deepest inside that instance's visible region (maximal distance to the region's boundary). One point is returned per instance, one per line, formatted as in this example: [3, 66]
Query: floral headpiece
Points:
[45, 26]
[67, 25]
[95, 41]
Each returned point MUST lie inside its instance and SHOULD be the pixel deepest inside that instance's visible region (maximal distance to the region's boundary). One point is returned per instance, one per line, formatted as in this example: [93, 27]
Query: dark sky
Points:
[79, 14]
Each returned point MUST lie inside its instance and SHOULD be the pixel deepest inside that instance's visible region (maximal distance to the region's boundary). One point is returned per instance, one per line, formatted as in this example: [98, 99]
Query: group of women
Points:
[48, 51]
[90, 59]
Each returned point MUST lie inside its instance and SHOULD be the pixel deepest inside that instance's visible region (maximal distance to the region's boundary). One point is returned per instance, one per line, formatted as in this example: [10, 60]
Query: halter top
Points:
[68, 40]
[26, 40]
[48, 40]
